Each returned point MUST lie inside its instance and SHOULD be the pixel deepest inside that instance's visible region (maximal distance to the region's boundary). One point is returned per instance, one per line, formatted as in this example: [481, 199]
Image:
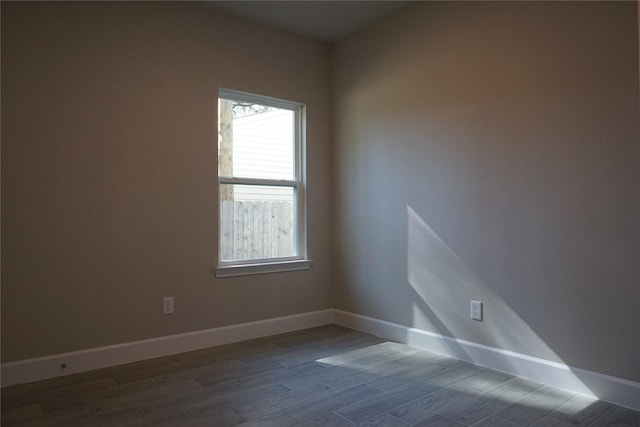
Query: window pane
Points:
[255, 141]
[256, 222]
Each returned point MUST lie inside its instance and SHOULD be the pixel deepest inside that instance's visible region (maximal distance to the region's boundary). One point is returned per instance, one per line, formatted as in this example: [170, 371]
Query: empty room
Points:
[320, 213]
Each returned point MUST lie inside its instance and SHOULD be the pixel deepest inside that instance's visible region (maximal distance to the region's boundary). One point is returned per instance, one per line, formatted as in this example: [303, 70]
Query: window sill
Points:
[273, 267]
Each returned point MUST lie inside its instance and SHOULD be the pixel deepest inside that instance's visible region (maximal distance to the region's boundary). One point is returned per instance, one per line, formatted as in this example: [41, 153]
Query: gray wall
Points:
[109, 173]
[491, 151]
[485, 151]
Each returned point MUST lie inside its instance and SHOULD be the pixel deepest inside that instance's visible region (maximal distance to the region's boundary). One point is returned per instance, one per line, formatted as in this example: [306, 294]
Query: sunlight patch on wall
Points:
[444, 286]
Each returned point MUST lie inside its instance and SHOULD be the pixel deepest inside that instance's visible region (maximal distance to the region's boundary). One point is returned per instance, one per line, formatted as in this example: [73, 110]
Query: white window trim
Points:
[265, 268]
[272, 265]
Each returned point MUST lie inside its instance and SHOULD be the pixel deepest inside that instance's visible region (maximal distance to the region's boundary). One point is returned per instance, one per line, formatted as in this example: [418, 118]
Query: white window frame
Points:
[299, 261]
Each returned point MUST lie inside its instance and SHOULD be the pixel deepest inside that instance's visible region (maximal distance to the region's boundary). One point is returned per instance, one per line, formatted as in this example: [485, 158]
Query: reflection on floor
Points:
[327, 376]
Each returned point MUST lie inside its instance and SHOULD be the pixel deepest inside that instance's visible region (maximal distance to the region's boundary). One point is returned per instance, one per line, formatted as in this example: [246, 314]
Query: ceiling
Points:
[326, 20]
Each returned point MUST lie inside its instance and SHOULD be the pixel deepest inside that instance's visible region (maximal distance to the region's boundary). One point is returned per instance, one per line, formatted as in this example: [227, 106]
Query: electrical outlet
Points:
[167, 305]
[476, 310]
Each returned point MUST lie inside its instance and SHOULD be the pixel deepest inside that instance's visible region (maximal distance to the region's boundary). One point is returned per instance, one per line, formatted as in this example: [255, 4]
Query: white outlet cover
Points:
[476, 310]
[167, 305]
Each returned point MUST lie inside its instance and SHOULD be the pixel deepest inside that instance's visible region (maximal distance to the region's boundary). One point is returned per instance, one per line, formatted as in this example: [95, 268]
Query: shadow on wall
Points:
[442, 287]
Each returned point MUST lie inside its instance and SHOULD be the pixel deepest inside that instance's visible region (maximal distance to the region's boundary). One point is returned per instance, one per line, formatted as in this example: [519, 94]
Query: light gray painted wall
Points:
[481, 151]
[491, 151]
[109, 171]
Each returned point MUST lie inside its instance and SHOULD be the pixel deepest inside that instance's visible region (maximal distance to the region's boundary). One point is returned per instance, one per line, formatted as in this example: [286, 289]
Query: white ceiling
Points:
[326, 20]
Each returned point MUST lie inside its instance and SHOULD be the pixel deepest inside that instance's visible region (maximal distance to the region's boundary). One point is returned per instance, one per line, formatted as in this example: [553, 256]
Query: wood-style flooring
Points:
[327, 376]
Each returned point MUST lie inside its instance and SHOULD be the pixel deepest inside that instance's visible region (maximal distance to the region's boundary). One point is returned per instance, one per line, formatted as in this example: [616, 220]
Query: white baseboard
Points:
[39, 368]
[611, 389]
[604, 387]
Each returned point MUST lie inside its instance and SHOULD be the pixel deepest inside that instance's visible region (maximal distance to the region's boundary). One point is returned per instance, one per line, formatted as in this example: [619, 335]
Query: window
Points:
[260, 185]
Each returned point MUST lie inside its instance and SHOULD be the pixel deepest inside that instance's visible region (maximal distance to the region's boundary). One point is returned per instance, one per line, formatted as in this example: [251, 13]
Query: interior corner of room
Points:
[472, 184]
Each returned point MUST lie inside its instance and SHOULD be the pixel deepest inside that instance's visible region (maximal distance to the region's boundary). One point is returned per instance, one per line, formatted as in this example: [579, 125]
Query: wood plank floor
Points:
[327, 376]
